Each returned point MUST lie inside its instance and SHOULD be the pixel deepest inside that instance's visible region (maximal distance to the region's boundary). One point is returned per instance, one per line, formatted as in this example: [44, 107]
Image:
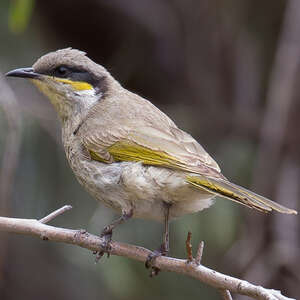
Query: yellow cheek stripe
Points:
[77, 85]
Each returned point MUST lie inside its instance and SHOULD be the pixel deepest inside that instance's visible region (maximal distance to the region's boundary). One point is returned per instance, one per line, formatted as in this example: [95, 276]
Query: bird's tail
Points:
[237, 193]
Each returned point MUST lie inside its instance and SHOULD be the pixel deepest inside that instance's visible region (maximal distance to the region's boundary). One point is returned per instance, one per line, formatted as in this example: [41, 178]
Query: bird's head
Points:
[71, 80]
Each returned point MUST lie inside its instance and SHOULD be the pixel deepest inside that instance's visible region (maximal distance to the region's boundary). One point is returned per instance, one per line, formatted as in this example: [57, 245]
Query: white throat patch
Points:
[88, 97]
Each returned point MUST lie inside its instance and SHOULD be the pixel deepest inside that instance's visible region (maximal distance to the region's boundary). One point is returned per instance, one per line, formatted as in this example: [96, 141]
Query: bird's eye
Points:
[61, 71]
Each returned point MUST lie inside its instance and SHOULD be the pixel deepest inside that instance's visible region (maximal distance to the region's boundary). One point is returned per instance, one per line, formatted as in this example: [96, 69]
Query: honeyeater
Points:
[125, 151]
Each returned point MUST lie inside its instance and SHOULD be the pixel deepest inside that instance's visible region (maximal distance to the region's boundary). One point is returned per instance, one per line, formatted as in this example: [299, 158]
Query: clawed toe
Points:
[150, 262]
[164, 248]
[106, 234]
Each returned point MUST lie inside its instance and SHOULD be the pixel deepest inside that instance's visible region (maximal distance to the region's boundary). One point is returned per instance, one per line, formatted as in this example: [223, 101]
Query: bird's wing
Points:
[151, 145]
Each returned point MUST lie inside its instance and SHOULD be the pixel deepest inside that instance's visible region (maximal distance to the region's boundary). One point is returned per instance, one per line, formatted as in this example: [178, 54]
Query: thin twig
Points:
[54, 214]
[188, 245]
[199, 253]
[225, 295]
[95, 243]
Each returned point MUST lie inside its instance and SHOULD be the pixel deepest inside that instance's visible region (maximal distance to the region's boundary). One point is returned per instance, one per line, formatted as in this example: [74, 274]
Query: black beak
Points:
[23, 73]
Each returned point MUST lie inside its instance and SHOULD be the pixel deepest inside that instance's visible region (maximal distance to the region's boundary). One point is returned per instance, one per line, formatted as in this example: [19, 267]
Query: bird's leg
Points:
[108, 231]
[164, 248]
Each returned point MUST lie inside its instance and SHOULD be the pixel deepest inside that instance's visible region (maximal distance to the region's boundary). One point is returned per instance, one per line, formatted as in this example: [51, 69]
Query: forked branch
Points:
[191, 267]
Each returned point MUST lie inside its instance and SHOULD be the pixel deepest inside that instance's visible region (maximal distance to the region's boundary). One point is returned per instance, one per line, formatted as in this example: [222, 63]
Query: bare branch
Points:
[188, 245]
[54, 214]
[199, 253]
[94, 243]
[225, 294]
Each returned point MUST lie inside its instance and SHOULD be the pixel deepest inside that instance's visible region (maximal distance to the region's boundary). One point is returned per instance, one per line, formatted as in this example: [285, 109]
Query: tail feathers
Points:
[238, 194]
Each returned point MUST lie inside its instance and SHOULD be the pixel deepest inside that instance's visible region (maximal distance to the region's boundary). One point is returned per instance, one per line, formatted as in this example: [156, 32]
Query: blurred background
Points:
[225, 71]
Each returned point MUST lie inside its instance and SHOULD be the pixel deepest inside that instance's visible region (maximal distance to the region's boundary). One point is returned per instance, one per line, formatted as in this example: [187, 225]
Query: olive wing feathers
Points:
[152, 146]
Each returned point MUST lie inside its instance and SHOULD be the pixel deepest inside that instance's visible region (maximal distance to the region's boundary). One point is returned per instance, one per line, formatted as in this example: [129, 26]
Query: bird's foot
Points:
[106, 234]
[150, 262]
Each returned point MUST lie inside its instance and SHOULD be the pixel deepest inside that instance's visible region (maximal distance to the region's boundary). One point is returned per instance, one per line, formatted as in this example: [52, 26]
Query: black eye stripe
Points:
[73, 74]
[77, 74]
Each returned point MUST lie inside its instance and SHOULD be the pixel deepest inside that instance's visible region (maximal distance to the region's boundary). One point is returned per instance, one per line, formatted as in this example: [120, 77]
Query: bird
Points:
[126, 152]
